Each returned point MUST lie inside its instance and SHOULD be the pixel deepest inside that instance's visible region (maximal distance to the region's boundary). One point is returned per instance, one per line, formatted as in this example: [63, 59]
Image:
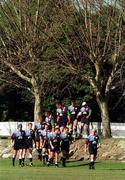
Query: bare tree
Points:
[27, 32]
[95, 50]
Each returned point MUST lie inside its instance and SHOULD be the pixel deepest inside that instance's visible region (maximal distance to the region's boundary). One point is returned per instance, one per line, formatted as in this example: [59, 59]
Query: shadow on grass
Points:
[118, 169]
[69, 164]
[70, 161]
[76, 164]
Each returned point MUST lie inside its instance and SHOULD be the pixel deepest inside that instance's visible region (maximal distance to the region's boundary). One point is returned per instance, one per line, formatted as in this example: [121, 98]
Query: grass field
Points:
[74, 171]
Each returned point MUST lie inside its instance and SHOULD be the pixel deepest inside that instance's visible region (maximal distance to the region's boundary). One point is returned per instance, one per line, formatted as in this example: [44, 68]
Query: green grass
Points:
[74, 171]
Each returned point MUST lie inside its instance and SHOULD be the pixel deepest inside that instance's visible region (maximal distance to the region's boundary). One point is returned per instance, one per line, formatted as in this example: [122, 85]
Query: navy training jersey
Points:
[18, 136]
[93, 139]
[73, 109]
[29, 134]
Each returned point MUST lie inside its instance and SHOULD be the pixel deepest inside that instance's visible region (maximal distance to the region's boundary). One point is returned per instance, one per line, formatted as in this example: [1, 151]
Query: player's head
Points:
[46, 127]
[19, 126]
[66, 129]
[84, 104]
[73, 102]
[47, 113]
[58, 104]
[30, 125]
[61, 128]
[94, 131]
[57, 130]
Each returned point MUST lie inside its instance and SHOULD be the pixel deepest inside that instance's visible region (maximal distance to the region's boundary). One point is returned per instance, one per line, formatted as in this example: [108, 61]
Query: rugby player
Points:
[72, 116]
[29, 139]
[65, 144]
[37, 128]
[62, 114]
[18, 139]
[55, 144]
[45, 143]
[85, 114]
[92, 143]
[49, 119]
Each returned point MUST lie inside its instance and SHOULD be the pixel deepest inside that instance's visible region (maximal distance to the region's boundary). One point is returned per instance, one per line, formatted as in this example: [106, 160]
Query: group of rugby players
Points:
[52, 136]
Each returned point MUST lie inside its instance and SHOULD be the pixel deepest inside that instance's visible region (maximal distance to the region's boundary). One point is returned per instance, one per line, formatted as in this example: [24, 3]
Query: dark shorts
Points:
[72, 118]
[62, 121]
[56, 148]
[65, 146]
[37, 136]
[93, 150]
[18, 146]
[47, 145]
[28, 144]
[85, 121]
[79, 119]
[62, 124]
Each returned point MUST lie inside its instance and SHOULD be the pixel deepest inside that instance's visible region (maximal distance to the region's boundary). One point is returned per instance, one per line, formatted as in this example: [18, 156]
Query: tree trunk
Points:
[103, 105]
[37, 99]
[37, 106]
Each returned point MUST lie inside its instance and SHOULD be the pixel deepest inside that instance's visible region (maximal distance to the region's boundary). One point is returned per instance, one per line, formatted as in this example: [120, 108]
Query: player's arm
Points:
[51, 144]
[35, 127]
[61, 138]
[79, 114]
[57, 119]
[43, 141]
[99, 143]
[69, 116]
[85, 145]
[90, 112]
[52, 122]
[40, 136]
[33, 137]
[12, 138]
